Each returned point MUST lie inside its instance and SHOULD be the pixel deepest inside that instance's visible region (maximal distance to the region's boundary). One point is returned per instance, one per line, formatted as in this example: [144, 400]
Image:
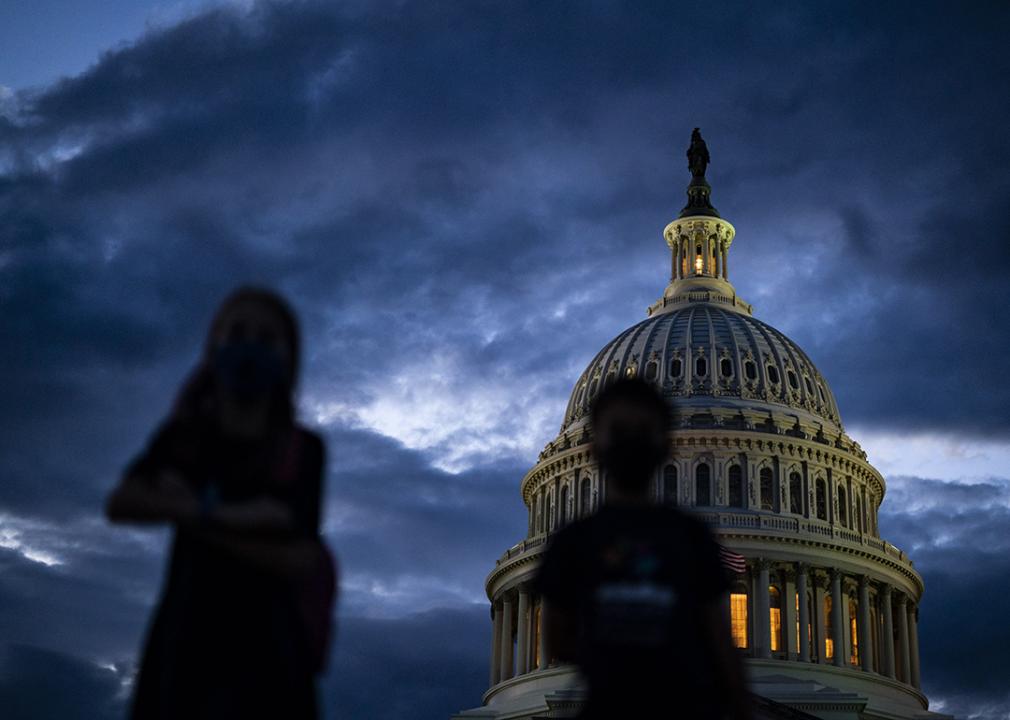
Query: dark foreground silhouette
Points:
[242, 626]
[634, 594]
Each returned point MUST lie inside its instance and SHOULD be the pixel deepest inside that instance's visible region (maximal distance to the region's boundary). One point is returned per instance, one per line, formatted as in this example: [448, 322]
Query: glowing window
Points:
[738, 618]
[829, 631]
[775, 617]
[629, 371]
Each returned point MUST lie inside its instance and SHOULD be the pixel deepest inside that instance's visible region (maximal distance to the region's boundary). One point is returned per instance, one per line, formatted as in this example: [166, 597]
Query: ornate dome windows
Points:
[794, 382]
[767, 488]
[726, 367]
[821, 499]
[700, 367]
[676, 368]
[735, 486]
[795, 493]
[703, 485]
[652, 370]
[750, 370]
[773, 374]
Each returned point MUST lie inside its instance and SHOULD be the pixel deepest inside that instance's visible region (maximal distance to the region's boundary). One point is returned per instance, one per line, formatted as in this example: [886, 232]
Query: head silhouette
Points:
[250, 356]
[630, 424]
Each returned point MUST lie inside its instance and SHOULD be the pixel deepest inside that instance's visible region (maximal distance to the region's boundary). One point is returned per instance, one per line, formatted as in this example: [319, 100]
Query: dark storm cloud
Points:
[464, 203]
[957, 535]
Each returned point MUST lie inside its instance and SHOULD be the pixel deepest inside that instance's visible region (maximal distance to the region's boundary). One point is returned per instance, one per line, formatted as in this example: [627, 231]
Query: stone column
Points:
[865, 633]
[888, 639]
[542, 638]
[903, 638]
[801, 588]
[761, 611]
[506, 639]
[522, 646]
[913, 642]
[837, 632]
[495, 644]
[820, 585]
[789, 618]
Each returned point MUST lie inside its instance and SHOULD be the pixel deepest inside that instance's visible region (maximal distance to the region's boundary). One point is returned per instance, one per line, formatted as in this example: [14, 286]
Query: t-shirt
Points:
[225, 629]
[636, 580]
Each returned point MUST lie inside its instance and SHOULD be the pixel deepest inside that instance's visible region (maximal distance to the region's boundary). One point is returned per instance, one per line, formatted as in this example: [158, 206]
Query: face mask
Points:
[630, 454]
[248, 370]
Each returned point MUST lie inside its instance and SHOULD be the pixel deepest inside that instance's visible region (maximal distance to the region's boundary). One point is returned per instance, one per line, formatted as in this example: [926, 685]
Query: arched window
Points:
[854, 655]
[795, 494]
[773, 375]
[586, 495]
[703, 485]
[842, 515]
[822, 499]
[750, 370]
[735, 482]
[563, 507]
[859, 515]
[775, 617]
[670, 485]
[767, 489]
[676, 368]
[651, 370]
[700, 367]
[726, 367]
[548, 514]
[738, 616]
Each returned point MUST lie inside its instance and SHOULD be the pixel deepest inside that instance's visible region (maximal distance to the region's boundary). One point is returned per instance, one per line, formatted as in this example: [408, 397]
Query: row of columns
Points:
[515, 628]
[684, 255]
[899, 657]
[514, 623]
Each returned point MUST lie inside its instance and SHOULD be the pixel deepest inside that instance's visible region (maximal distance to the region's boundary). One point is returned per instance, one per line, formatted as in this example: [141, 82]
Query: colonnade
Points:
[847, 621]
[518, 644]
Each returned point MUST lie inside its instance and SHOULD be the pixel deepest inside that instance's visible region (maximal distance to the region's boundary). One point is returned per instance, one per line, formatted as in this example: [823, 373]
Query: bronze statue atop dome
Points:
[697, 155]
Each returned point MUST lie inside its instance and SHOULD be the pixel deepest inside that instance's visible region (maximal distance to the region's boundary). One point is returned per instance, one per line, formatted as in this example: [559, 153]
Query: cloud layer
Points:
[464, 203]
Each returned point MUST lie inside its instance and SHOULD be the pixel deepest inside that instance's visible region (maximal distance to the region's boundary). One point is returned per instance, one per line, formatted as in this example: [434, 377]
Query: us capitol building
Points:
[825, 611]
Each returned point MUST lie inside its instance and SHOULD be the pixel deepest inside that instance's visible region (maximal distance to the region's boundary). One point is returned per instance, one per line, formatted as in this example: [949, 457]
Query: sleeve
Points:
[713, 579]
[555, 578]
[307, 499]
[172, 445]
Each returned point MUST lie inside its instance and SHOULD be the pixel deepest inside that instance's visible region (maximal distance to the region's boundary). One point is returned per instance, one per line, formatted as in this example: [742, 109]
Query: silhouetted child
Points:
[634, 594]
[242, 625]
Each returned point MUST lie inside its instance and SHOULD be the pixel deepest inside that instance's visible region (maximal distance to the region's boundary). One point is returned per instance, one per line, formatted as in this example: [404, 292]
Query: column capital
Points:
[820, 581]
[763, 564]
[864, 582]
[802, 568]
[902, 600]
[886, 591]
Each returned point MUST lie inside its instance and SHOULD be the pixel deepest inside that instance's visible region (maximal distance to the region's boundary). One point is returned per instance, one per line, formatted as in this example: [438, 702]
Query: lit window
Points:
[829, 631]
[630, 371]
[854, 656]
[775, 617]
[738, 618]
[699, 261]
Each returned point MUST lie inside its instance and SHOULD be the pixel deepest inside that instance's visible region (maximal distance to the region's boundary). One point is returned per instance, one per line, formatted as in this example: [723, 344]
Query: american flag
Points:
[732, 561]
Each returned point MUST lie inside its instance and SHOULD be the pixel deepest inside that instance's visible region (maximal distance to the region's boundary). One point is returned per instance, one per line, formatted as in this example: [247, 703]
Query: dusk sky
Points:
[465, 202]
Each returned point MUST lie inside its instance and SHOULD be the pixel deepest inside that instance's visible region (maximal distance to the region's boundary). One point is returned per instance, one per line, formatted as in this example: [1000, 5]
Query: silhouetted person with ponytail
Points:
[634, 594]
[242, 626]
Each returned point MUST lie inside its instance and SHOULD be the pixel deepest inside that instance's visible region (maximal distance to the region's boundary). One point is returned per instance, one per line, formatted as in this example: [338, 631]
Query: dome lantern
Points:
[699, 241]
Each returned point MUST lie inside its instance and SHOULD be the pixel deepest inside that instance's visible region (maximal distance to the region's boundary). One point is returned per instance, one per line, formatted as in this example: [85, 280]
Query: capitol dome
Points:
[823, 609]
